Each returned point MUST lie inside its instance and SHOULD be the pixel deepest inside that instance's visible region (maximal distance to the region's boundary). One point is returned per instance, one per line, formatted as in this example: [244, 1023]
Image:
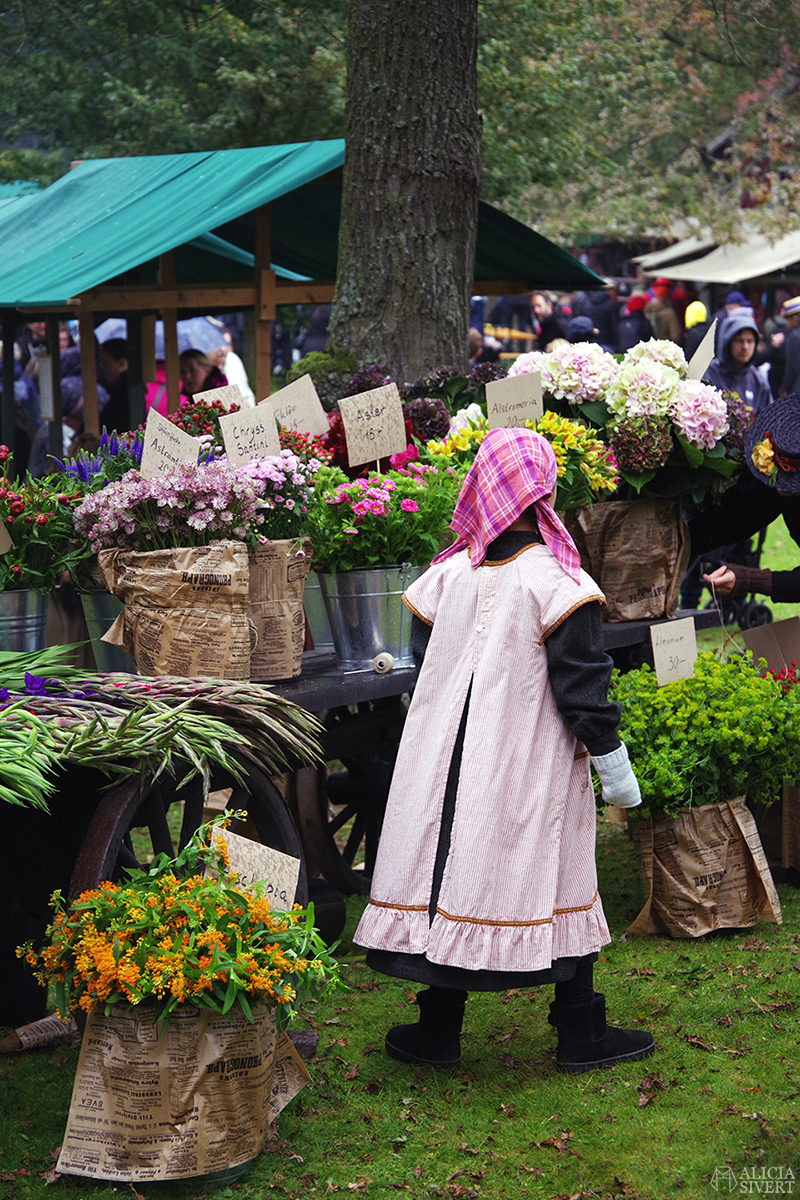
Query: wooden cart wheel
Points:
[107, 848]
[340, 812]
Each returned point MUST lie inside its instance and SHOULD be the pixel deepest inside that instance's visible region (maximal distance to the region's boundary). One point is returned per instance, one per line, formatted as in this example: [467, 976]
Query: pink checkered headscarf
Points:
[513, 469]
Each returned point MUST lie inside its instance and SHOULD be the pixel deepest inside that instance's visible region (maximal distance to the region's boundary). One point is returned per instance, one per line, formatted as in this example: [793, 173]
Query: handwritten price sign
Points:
[250, 433]
[373, 424]
[166, 447]
[674, 649]
[511, 402]
[297, 406]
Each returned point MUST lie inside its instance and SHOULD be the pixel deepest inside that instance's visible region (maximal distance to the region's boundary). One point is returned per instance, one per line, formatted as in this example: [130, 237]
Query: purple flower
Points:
[35, 685]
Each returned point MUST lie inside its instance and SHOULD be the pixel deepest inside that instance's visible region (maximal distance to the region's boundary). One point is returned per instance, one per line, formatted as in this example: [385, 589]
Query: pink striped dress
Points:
[519, 889]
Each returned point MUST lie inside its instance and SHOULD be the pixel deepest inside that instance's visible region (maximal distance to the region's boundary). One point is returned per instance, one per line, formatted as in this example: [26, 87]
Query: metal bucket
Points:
[367, 616]
[23, 620]
[316, 616]
[101, 610]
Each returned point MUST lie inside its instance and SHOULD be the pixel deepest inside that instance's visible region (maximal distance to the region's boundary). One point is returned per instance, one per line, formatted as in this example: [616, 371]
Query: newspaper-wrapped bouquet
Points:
[182, 931]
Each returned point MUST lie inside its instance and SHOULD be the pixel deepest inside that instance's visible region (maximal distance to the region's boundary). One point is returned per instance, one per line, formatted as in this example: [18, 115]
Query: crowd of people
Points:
[755, 355]
[200, 370]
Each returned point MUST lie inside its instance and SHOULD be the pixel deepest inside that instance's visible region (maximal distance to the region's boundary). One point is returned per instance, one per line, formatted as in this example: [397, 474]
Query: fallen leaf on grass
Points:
[468, 1149]
[353, 1072]
[51, 1176]
[558, 1143]
[650, 1086]
[476, 1175]
[360, 1184]
[333, 1021]
[693, 1040]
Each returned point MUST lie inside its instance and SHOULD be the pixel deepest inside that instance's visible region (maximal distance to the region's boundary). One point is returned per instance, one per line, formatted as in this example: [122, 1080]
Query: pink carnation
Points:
[409, 505]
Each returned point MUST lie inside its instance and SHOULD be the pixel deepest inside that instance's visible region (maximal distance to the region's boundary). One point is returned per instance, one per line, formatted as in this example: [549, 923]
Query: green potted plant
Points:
[700, 747]
[372, 537]
[36, 515]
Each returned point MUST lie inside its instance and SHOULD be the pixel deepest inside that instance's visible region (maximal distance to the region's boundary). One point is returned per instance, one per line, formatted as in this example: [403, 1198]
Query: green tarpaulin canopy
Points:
[108, 218]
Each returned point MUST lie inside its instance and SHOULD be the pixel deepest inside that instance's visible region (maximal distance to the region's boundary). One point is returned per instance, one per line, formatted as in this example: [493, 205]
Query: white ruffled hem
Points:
[477, 947]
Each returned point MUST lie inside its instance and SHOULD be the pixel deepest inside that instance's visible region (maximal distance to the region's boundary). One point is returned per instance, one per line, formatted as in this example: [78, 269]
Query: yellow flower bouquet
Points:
[170, 934]
[586, 465]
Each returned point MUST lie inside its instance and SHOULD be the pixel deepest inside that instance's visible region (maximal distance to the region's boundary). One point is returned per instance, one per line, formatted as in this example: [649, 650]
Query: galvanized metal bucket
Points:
[368, 619]
[23, 620]
[101, 610]
[316, 616]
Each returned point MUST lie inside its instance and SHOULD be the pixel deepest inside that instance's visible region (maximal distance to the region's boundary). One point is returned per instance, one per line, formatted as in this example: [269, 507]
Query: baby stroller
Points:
[748, 611]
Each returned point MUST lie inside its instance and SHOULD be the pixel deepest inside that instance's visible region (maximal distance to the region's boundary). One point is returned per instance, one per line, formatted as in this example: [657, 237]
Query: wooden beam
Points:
[315, 292]
[138, 298]
[91, 409]
[265, 303]
[136, 405]
[166, 279]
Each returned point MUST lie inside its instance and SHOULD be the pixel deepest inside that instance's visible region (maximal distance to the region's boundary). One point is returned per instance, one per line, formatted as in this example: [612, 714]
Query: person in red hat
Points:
[634, 326]
[662, 315]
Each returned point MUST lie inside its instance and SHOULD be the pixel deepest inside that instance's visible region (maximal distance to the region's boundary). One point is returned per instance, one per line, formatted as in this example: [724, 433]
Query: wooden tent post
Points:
[265, 303]
[91, 408]
[136, 405]
[167, 279]
[9, 410]
[56, 425]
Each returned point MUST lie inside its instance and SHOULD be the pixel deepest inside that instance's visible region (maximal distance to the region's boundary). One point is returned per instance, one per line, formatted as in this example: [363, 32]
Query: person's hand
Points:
[218, 356]
[777, 339]
[723, 580]
[618, 782]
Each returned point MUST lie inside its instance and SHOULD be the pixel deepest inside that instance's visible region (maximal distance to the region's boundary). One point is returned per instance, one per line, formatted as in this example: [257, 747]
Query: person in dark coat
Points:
[733, 370]
[772, 453]
[697, 326]
[601, 309]
[634, 326]
[552, 323]
[733, 302]
[790, 380]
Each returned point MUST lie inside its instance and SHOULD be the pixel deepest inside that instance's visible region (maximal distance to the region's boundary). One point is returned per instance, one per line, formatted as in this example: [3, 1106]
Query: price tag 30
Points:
[674, 649]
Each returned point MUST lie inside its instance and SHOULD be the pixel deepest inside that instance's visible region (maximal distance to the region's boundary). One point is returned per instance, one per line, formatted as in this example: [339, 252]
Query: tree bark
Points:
[412, 178]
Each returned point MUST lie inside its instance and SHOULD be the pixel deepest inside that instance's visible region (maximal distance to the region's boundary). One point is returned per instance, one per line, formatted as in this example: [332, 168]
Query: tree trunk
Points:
[412, 178]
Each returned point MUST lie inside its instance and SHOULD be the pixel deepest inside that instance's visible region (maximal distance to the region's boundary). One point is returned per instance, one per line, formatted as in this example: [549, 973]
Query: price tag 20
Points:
[674, 649]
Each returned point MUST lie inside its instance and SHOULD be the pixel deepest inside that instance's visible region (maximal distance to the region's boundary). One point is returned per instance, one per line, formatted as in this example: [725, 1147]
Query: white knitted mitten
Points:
[618, 781]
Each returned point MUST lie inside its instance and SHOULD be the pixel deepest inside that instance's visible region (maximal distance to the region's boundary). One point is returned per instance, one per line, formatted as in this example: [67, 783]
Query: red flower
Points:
[41, 519]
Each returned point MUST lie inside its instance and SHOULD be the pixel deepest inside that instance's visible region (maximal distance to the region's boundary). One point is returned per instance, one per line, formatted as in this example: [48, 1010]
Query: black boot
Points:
[585, 1041]
[436, 1038]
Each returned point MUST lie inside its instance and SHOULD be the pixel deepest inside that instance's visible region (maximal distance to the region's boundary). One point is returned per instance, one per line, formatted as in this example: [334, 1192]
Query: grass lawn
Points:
[722, 1090]
[723, 1087]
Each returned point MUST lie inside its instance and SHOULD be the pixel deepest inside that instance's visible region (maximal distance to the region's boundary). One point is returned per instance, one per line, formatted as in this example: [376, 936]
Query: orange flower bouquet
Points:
[172, 934]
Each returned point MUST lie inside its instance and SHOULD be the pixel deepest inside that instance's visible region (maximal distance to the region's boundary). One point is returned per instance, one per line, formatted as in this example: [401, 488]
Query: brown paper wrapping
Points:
[790, 826]
[148, 1105]
[278, 574]
[703, 870]
[637, 551]
[185, 609]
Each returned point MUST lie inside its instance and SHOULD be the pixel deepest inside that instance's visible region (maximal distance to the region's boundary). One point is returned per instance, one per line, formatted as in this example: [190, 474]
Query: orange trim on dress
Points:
[568, 613]
[557, 912]
[501, 562]
[416, 611]
[401, 907]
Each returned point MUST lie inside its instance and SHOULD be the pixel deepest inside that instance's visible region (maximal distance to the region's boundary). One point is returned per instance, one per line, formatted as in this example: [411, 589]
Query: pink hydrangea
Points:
[524, 364]
[578, 373]
[700, 413]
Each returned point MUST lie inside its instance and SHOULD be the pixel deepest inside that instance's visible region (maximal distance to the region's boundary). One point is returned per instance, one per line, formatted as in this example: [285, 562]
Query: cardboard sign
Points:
[674, 649]
[511, 402]
[250, 433]
[46, 386]
[700, 360]
[6, 543]
[778, 643]
[297, 406]
[373, 425]
[165, 447]
[278, 872]
[228, 395]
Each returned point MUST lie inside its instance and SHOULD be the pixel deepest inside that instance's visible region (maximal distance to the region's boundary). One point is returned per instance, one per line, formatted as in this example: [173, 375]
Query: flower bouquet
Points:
[173, 550]
[115, 456]
[182, 970]
[586, 465]
[37, 516]
[201, 419]
[698, 752]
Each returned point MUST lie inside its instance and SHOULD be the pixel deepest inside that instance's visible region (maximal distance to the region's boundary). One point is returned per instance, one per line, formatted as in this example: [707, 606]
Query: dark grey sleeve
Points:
[580, 672]
[420, 636]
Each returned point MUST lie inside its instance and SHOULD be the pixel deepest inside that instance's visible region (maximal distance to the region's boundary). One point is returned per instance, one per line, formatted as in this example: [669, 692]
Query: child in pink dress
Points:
[485, 877]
